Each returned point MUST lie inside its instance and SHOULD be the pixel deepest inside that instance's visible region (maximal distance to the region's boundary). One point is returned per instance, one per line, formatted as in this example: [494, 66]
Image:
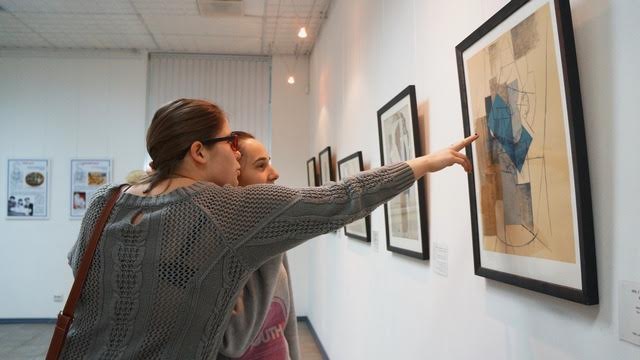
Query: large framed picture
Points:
[312, 178]
[87, 175]
[27, 189]
[405, 214]
[529, 192]
[350, 166]
[326, 166]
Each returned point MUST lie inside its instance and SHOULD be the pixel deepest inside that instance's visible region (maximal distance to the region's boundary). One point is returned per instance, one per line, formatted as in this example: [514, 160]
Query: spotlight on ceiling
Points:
[302, 33]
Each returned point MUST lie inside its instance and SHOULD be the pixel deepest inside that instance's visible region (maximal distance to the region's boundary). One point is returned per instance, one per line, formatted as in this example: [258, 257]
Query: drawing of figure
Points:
[398, 150]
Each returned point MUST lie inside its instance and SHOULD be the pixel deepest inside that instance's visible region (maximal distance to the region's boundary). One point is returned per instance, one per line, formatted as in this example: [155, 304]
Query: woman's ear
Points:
[197, 152]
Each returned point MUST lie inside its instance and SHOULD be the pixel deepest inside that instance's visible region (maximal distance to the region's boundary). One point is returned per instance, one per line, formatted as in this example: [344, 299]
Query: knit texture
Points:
[164, 288]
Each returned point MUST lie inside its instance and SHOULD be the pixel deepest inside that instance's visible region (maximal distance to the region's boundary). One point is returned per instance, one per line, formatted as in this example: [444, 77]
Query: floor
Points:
[30, 341]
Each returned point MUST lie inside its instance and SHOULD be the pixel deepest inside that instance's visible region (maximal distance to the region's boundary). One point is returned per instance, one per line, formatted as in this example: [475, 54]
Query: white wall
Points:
[367, 303]
[289, 143]
[61, 105]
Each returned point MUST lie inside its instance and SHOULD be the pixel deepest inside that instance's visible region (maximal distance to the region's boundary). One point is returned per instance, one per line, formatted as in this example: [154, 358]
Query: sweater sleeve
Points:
[261, 221]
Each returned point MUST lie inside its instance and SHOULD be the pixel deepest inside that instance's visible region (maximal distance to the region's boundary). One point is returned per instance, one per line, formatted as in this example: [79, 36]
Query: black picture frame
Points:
[347, 167]
[575, 281]
[326, 162]
[412, 220]
[312, 176]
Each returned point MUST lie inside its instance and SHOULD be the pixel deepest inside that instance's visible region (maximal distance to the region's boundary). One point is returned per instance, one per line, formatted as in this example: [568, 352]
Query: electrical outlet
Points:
[58, 298]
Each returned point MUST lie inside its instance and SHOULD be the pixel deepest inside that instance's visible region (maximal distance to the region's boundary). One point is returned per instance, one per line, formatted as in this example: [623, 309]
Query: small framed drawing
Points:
[529, 192]
[87, 175]
[349, 166]
[326, 166]
[28, 189]
[312, 178]
[405, 214]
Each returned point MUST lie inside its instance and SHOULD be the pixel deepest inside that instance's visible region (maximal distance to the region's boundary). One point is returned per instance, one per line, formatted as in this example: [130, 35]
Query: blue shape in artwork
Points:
[500, 123]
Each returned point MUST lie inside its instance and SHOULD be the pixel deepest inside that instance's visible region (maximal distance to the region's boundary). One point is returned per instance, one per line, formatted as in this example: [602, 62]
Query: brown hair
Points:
[243, 135]
[175, 126]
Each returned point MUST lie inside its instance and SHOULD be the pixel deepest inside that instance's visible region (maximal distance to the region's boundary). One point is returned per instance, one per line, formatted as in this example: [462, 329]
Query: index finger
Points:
[467, 141]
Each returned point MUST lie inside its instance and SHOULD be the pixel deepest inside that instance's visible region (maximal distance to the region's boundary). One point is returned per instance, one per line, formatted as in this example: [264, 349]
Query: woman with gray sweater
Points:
[178, 246]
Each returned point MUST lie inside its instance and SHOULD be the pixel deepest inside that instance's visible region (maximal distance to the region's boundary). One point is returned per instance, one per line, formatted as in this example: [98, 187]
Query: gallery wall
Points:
[60, 105]
[368, 303]
[289, 142]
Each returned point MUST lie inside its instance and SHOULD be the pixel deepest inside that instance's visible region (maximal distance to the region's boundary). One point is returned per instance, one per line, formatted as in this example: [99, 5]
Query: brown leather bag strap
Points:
[87, 257]
[65, 318]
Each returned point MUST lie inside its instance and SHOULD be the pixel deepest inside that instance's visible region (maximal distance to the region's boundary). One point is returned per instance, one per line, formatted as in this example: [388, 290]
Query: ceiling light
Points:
[291, 80]
[302, 33]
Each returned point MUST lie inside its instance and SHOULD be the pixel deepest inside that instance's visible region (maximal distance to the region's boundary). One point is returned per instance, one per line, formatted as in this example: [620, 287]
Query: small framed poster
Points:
[326, 166]
[27, 189]
[350, 166]
[87, 175]
[312, 177]
[405, 214]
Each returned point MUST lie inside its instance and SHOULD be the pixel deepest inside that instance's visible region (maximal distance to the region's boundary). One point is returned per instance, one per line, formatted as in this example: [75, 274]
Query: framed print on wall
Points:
[529, 192]
[312, 178]
[27, 189]
[87, 175]
[326, 166]
[350, 166]
[405, 214]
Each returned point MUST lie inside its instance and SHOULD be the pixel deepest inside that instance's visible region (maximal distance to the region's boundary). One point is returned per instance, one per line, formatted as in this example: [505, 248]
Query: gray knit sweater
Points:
[164, 288]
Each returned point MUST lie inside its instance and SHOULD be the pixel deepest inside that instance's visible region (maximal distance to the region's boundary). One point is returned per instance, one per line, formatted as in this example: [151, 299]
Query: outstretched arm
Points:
[301, 214]
[441, 159]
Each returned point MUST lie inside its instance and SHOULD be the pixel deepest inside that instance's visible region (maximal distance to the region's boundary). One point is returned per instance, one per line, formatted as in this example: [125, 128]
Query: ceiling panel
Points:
[160, 25]
[22, 40]
[69, 6]
[200, 25]
[167, 7]
[83, 23]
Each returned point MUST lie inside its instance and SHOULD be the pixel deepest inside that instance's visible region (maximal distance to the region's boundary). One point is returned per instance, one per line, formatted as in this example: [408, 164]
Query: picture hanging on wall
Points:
[529, 192]
[28, 189]
[405, 214]
[312, 178]
[326, 166]
[350, 166]
[86, 177]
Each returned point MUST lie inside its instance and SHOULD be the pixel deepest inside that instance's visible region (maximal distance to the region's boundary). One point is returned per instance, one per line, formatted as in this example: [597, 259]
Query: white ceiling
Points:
[267, 26]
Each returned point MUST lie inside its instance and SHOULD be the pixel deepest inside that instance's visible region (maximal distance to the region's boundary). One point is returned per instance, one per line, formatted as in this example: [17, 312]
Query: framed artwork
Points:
[312, 178]
[349, 166]
[529, 192]
[326, 166]
[405, 214]
[87, 176]
[27, 189]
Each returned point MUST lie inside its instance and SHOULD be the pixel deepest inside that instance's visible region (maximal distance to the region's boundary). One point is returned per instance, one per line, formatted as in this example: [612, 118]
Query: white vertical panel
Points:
[241, 85]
